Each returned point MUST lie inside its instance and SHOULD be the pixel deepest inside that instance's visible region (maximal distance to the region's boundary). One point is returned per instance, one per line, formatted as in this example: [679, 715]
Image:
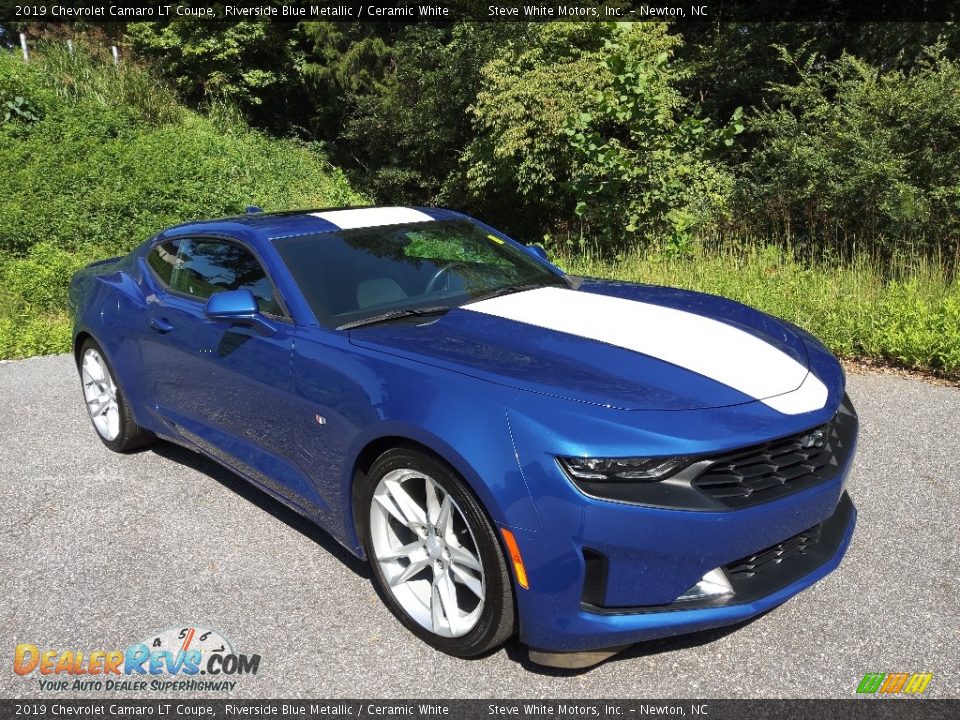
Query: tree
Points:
[847, 152]
[253, 66]
[519, 161]
[735, 64]
[404, 133]
[645, 166]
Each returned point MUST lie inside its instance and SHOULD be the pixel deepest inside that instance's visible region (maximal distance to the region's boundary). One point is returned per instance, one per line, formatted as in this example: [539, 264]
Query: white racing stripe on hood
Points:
[372, 217]
[711, 348]
[811, 395]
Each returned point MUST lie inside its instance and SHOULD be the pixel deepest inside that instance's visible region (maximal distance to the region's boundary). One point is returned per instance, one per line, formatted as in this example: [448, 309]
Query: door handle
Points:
[161, 325]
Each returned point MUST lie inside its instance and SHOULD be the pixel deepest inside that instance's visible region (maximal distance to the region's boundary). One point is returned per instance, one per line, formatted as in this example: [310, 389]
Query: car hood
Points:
[622, 345]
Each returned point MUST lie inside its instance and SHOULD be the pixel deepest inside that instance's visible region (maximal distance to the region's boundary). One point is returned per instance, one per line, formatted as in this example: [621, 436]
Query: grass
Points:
[906, 312]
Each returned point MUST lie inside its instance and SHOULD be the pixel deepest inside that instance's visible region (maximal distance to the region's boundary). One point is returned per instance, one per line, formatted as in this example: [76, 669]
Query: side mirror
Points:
[238, 307]
[537, 251]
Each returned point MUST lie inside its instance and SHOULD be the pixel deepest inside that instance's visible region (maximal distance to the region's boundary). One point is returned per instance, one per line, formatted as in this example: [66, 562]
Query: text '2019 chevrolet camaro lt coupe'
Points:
[586, 463]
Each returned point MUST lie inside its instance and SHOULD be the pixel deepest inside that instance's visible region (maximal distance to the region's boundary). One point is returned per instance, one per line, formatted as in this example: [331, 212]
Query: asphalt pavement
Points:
[98, 551]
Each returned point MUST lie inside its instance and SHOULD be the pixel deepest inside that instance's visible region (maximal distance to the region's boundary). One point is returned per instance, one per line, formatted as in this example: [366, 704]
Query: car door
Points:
[224, 387]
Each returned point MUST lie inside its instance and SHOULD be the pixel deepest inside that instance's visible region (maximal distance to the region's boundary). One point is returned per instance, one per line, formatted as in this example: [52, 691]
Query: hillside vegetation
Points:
[830, 136]
[809, 169]
[96, 159]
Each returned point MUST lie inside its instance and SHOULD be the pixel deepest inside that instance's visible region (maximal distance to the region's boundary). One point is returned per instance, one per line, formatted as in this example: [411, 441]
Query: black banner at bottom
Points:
[868, 708]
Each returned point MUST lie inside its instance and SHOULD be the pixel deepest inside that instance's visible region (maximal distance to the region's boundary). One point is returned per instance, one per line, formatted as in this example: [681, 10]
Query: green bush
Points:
[644, 165]
[519, 161]
[584, 123]
[110, 160]
[28, 335]
[39, 279]
[406, 125]
[851, 153]
[253, 65]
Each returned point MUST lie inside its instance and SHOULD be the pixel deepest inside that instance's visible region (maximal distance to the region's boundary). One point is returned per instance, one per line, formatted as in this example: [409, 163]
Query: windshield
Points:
[350, 276]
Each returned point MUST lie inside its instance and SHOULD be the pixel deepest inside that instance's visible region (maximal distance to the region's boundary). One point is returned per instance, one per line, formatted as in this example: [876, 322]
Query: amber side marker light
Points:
[518, 569]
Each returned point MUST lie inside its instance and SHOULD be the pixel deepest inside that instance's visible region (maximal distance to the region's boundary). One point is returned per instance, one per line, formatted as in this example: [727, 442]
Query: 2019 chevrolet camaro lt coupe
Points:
[586, 463]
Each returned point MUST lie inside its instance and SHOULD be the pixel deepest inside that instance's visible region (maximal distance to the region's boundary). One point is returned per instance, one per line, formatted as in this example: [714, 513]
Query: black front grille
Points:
[780, 467]
[772, 557]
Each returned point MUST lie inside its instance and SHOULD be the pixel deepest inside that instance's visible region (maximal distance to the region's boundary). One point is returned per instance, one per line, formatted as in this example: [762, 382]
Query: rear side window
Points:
[163, 258]
[203, 267]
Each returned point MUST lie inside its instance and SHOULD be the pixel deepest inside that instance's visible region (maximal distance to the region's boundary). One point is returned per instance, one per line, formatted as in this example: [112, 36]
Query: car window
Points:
[353, 274]
[204, 267]
[443, 243]
[163, 258]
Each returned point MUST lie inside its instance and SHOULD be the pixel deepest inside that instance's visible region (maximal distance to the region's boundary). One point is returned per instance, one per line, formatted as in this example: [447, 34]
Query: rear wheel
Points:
[106, 405]
[435, 557]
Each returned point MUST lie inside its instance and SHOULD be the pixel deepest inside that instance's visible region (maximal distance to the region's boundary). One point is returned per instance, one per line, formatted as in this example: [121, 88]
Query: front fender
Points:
[488, 465]
[368, 397]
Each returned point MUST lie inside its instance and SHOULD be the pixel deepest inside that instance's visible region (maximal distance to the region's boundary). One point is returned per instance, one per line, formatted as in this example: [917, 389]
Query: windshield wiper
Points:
[394, 314]
[505, 290]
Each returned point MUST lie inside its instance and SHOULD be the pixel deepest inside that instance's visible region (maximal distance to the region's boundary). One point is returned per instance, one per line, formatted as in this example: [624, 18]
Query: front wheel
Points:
[106, 404]
[435, 557]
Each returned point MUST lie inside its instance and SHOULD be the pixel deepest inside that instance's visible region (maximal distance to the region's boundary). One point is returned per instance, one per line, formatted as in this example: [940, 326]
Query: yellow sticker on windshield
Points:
[497, 240]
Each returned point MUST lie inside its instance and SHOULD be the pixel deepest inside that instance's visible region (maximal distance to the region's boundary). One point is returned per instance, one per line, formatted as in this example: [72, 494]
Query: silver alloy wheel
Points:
[100, 393]
[427, 553]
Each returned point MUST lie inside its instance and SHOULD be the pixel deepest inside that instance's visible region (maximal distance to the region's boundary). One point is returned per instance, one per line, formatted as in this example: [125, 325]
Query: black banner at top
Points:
[100, 11]
[52, 708]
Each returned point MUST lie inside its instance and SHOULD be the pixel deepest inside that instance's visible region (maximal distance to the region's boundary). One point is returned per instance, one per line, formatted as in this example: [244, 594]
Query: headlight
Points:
[613, 469]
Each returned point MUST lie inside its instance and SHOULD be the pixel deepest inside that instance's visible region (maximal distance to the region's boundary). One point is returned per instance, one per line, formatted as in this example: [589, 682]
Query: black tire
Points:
[496, 621]
[131, 435]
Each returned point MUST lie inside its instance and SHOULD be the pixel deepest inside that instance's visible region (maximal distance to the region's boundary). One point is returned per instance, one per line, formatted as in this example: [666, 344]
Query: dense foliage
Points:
[518, 160]
[253, 65]
[834, 140]
[615, 135]
[845, 153]
[643, 163]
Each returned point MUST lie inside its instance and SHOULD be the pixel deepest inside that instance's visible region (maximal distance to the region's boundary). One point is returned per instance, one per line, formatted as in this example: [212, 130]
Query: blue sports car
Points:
[585, 463]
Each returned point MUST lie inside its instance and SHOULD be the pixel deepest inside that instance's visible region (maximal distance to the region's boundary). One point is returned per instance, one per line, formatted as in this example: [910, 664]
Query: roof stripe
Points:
[372, 217]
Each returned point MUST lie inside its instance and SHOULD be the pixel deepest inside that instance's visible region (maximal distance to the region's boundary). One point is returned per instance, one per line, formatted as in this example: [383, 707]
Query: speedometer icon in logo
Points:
[180, 640]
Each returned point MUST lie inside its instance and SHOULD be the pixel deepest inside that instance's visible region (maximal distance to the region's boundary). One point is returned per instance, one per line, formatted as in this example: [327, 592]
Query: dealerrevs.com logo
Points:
[185, 658]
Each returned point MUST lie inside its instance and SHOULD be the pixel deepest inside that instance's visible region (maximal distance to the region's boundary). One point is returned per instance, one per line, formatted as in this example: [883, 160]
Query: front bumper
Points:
[591, 628]
[650, 556]
[755, 593]
[761, 574]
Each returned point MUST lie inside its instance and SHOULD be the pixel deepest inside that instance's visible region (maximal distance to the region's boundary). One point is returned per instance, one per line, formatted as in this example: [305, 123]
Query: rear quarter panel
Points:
[106, 302]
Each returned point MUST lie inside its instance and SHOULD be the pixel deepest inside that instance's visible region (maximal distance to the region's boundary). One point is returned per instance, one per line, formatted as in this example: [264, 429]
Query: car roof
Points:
[275, 225]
